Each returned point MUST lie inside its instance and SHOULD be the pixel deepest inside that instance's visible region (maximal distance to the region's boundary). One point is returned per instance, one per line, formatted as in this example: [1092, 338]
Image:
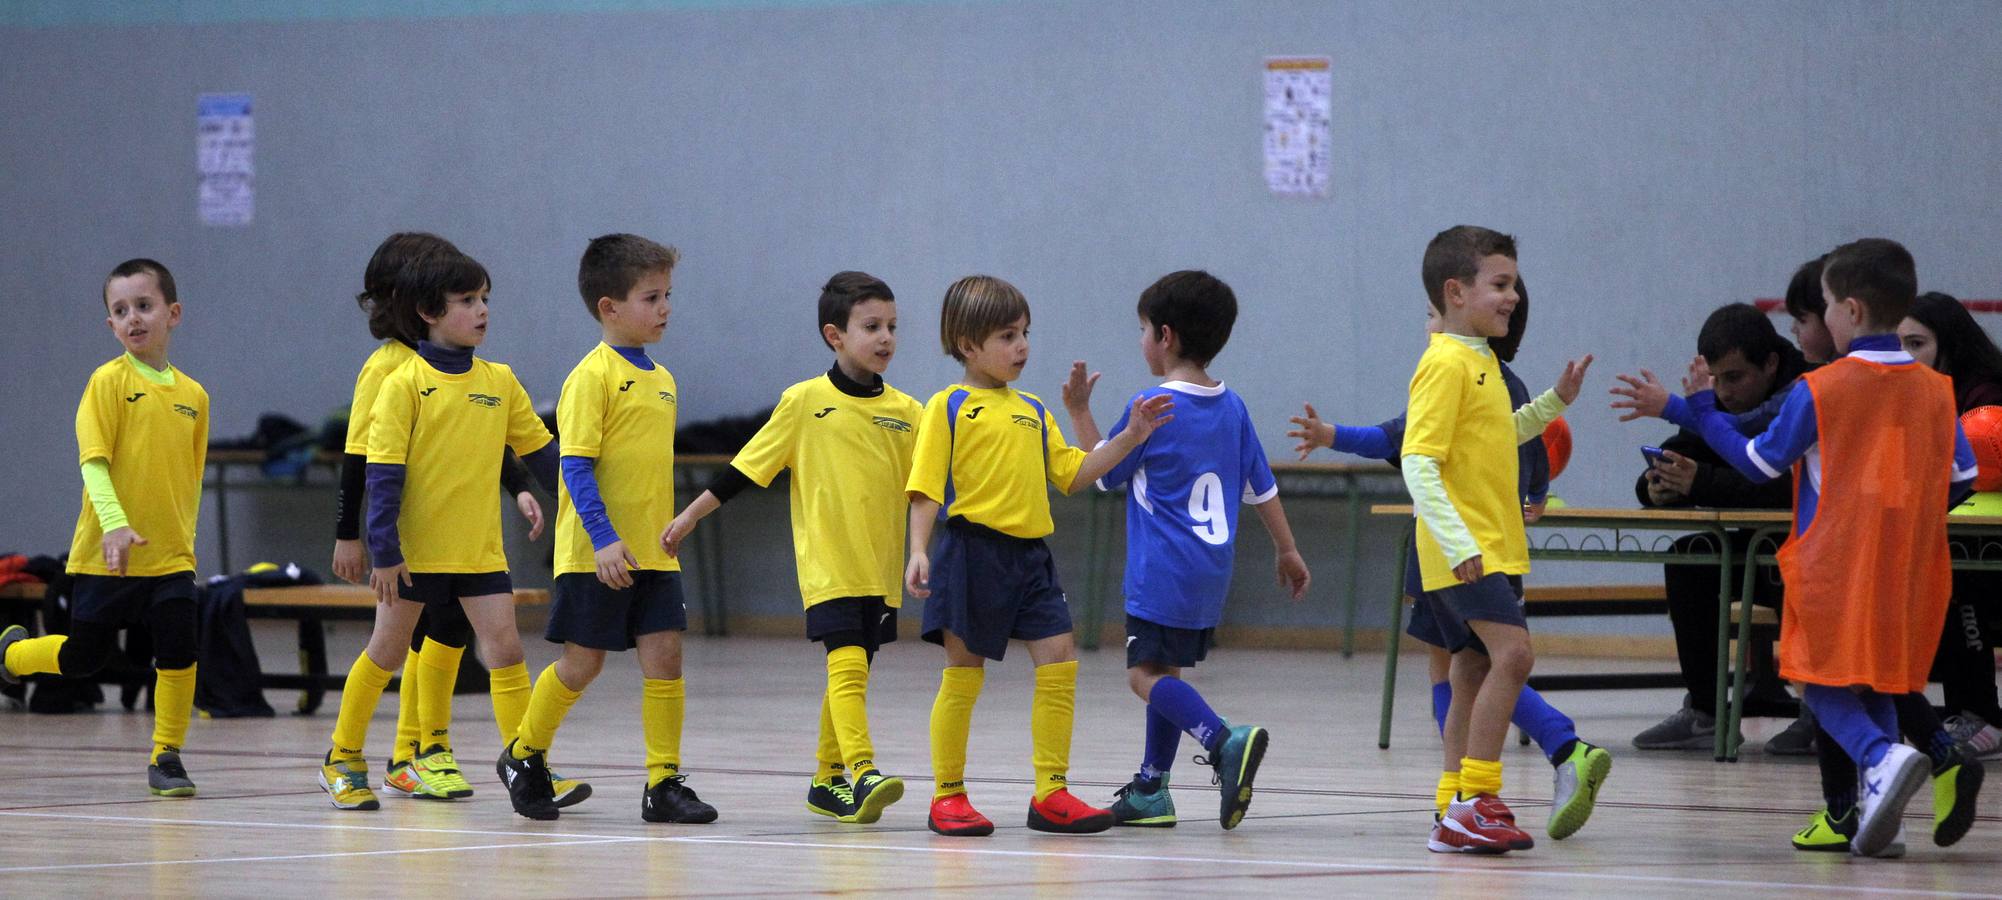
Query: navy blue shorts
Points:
[990, 588]
[124, 599]
[444, 587]
[1153, 642]
[589, 614]
[1443, 614]
[865, 622]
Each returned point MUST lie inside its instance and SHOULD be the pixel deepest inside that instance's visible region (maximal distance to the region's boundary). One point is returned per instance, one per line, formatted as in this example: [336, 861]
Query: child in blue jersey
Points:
[1581, 767]
[1184, 485]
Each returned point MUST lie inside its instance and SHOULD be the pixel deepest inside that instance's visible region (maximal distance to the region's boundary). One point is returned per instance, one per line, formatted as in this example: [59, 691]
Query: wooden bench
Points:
[312, 606]
[1613, 600]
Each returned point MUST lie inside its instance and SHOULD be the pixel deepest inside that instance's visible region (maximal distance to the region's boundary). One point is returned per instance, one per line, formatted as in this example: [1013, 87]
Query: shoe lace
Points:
[171, 767]
[1960, 728]
[1216, 775]
[841, 790]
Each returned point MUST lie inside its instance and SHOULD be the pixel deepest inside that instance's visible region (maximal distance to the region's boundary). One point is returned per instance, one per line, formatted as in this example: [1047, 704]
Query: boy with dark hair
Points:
[616, 416]
[1751, 366]
[1181, 521]
[1805, 306]
[1878, 457]
[1461, 469]
[142, 433]
[984, 455]
[847, 436]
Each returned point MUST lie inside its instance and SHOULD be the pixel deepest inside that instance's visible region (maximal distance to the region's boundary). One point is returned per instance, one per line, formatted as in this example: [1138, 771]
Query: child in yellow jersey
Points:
[434, 453]
[142, 434]
[1460, 466]
[616, 416]
[421, 762]
[983, 454]
[847, 437]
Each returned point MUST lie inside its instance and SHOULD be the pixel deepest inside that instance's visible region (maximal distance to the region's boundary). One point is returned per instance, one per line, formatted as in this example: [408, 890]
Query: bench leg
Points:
[312, 663]
[1355, 555]
[1390, 641]
[1721, 748]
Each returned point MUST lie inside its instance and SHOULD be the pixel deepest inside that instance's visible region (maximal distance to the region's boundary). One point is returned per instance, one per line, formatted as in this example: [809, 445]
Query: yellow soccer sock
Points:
[827, 764]
[173, 705]
[509, 687]
[1050, 718]
[359, 697]
[661, 704]
[407, 731]
[1480, 776]
[36, 656]
[434, 691]
[951, 721]
[848, 704]
[548, 703]
[1449, 787]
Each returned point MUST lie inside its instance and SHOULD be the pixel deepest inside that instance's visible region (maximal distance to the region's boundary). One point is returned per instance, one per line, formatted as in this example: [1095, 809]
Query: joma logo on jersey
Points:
[426, 392]
[186, 410]
[623, 387]
[1482, 380]
[823, 413]
[892, 424]
[135, 397]
[669, 397]
[974, 413]
[1026, 421]
[487, 400]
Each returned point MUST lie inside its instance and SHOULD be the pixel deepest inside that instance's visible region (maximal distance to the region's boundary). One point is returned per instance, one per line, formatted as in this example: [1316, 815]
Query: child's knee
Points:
[1514, 661]
[1142, 678]
[580, 666]
[500, 649]
[660, 654]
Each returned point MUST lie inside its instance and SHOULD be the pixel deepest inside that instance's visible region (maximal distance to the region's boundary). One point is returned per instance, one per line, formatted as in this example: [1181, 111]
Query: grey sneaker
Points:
[8, 638]
[1686, 729]
[1796, 740]
[1976, 737]
[168, 778]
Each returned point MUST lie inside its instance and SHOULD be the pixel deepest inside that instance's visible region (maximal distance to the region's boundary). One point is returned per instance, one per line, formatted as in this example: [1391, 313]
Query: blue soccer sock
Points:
[1552, 731]
[1179, 703]
[1854, 720]
[1162, 739]
[1442, 698]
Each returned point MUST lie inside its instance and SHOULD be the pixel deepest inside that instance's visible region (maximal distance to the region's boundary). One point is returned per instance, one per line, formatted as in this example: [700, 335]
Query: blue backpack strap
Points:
[953, 402]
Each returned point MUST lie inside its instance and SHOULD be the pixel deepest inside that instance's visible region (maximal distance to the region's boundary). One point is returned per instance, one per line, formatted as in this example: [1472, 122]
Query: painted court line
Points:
[568, 838]
[300, 856]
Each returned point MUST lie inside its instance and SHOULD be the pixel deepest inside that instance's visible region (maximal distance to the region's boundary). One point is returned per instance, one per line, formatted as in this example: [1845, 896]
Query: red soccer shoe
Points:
[1064, 813]
[1478, 824]
[954, 816]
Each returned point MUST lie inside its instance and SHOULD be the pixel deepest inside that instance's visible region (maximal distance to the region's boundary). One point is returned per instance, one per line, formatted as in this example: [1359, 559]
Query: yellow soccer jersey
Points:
[623, 417]
[447, 431]
[1459, 414]
[850, 457]
[984, 453]
[386, 359]
[156, 439]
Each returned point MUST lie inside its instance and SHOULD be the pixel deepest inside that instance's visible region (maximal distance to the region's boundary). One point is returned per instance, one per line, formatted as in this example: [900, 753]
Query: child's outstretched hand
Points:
[1312, 432]
[1293, 575]
[531, 509]
[1147, 414]
[1698, 379]
[676, 532]
[118, 546]
[1077, 388]
[1572, 379]
[1645, 396]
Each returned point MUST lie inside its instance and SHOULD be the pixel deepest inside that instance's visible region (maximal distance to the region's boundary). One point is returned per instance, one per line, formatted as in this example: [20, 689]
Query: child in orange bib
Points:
[1878, 457]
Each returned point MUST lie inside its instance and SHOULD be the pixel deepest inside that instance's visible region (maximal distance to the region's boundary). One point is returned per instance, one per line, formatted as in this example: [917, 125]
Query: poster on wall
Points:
[1296, 125]
[224, 140]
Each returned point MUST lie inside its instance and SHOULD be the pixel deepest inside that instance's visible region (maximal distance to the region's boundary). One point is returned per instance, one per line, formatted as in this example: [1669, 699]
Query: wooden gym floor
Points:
[1333, 814]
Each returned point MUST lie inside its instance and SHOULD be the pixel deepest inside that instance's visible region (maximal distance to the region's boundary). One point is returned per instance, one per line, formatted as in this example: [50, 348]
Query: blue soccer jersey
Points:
[1185, 484]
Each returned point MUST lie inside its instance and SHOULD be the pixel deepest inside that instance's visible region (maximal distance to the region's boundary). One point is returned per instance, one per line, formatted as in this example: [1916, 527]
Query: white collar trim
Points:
[1194, 389]
[1889, 357]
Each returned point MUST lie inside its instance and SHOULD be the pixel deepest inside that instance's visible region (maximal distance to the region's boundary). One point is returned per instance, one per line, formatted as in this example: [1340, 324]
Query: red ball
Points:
[1557, 444]
[1983, 425]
